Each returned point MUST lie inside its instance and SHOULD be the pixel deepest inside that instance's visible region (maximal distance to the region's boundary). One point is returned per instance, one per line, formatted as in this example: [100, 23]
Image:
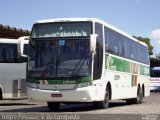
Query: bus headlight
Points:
[85, 84]
[32, 85]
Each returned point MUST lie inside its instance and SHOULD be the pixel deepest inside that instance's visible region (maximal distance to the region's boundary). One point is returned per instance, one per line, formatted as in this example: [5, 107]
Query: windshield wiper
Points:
[82, 61]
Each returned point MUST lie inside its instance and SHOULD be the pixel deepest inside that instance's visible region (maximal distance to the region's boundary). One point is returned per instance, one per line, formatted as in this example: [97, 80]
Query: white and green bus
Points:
[85, 60]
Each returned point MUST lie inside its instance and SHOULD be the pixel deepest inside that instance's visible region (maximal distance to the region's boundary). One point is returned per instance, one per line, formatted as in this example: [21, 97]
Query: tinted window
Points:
[155, 72]
[133, 49]
[8, 53]
[26, 49]
[120, 45]
[144, 55]
[60, 58]
[127, 50]
[98, 59]
[114, 42]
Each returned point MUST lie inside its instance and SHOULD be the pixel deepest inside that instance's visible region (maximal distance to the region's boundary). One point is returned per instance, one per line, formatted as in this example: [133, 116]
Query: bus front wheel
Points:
[53, 106]
[105, 103]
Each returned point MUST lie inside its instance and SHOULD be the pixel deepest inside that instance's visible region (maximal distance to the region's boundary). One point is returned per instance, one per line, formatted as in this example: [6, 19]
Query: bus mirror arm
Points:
[23, 58]
[93, 43]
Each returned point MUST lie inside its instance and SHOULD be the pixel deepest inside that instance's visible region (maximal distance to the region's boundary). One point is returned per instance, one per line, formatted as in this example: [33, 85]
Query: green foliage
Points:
[147, 41]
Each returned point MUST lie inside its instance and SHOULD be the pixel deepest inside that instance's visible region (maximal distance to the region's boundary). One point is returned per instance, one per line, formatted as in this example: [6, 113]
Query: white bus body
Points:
[66, 66]
[12, 72]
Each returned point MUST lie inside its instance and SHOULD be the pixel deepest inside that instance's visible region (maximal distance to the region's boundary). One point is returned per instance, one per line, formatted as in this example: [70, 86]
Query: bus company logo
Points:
[116, 77]
[69, 82]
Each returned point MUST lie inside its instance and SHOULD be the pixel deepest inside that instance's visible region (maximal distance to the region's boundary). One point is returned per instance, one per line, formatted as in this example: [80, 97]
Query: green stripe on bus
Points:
[65, 81]
[144, 70]
[117, 64]
[126, 66]
[32, 80]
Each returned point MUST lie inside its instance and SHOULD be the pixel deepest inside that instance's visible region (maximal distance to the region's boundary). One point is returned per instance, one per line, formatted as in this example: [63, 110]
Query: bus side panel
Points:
[12, 78]
[125, 86]
[125, 76]
[121, 85]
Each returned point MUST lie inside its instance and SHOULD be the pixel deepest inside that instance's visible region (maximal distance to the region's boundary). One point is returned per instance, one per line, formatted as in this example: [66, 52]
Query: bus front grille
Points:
[58, 87]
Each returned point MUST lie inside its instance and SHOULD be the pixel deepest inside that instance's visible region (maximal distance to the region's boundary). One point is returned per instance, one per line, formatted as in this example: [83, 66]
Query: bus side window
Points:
[98, 58]
[26, 49]
[8, 53]
[3, 55]
[113, 42]
[99, 52]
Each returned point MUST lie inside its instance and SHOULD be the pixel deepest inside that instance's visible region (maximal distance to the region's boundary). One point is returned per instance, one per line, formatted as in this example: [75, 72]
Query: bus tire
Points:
[1, 94]
[53, 106]
[105, 103]
[139, 98]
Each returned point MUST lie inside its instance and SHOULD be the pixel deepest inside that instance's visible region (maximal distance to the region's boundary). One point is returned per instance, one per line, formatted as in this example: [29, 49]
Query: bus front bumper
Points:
[86, 94]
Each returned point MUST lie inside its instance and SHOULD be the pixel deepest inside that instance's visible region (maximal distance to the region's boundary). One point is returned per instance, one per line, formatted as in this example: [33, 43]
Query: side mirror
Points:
[93, 43]
[22, 41]
[24, 56]
[23, 59]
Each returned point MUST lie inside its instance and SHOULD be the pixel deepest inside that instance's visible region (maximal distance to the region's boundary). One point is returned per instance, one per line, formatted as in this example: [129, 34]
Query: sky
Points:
[136, 17]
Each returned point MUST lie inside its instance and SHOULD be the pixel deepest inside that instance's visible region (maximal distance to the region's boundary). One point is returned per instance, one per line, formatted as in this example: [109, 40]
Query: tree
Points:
[147, 41]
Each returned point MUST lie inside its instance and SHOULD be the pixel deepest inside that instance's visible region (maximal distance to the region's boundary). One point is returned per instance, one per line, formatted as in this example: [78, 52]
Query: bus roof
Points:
[6, 40]
[91, 20]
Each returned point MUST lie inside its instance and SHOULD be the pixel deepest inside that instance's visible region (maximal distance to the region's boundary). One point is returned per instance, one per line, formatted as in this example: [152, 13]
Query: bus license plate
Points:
[56, 95]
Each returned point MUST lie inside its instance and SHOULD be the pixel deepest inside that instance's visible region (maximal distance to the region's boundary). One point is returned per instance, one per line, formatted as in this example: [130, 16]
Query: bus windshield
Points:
[155, 72]
[60, 58]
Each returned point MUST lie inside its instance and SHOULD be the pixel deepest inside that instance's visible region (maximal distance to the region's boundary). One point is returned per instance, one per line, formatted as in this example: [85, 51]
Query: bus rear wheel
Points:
[105, 103]
[139, 99]
[53, 106]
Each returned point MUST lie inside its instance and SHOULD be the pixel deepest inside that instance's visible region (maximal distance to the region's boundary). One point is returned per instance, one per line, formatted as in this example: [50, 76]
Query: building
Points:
[12, 32]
